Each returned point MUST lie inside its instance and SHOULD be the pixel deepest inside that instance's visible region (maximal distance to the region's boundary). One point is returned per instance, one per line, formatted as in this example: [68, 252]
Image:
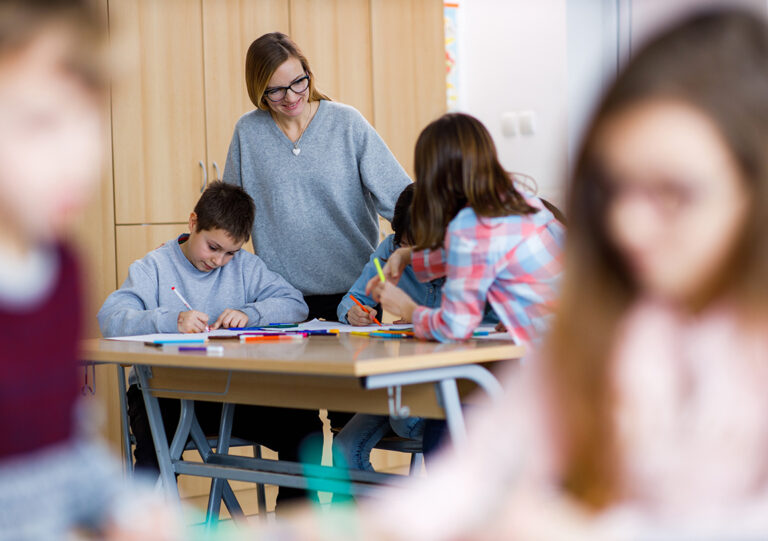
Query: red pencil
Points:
[274, 338]
[357, 302]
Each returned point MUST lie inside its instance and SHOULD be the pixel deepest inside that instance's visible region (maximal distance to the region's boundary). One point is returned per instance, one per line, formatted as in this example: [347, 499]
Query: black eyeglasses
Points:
[277, 93]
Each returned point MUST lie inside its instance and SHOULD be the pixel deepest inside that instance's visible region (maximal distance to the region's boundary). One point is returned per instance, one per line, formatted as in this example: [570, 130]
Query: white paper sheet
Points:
[313, 325]
[317, 325]
[175, 336]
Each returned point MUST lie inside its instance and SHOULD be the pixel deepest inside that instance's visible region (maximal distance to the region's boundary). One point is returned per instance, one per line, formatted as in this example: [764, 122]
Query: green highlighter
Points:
[378, 269]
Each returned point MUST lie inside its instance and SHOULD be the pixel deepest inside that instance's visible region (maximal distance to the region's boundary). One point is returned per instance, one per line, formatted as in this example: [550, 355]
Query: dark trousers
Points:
[324, 307]
[435, 435]
[281, 429]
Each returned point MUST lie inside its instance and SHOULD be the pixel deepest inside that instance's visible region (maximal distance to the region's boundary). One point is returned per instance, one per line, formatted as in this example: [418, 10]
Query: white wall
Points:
[650, 16]
[593, 59]
[553, 57]
[513, 57]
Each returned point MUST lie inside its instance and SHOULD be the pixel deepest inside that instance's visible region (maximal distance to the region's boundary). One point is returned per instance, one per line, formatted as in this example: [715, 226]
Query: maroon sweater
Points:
[38, 371]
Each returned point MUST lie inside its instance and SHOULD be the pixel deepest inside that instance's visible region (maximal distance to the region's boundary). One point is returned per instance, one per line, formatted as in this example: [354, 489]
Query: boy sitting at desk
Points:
[363, 431]
[224, 286]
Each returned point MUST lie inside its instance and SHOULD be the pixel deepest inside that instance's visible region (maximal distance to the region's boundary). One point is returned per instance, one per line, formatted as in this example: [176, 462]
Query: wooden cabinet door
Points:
[135, 241]
[158, 109]
[335, 35]
[408, 51]
[229, 27]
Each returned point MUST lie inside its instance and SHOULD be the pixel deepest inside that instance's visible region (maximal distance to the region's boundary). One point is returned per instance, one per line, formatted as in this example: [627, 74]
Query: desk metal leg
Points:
[182, 430]
[217, 485]
[124, 422]
[448, 395]
[228, 495]
[158, 434]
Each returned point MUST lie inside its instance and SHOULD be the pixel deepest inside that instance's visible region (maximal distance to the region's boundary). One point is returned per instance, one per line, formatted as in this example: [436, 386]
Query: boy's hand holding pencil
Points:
[192, 321]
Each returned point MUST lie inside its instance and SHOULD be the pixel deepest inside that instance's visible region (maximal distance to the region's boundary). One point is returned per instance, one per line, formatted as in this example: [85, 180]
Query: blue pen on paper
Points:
[481, 333]
[262, 327]
[245, 328]
[320, 332]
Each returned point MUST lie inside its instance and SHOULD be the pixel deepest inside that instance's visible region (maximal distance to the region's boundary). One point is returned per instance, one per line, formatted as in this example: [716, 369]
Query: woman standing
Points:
[319, 173]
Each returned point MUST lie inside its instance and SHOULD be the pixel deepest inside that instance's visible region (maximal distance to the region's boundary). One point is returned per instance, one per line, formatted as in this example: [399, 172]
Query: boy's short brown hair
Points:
[227, 207]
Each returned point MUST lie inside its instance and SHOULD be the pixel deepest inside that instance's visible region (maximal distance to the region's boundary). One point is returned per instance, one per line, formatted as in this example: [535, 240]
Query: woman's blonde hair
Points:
[264, 56]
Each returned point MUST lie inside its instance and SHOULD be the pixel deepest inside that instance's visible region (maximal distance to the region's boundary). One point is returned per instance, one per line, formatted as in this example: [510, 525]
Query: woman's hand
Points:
[359, 317]
[394, 300]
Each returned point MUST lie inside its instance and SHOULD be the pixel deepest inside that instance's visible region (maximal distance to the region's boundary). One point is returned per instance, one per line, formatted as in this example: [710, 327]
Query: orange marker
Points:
[357, 302]
[275, 338]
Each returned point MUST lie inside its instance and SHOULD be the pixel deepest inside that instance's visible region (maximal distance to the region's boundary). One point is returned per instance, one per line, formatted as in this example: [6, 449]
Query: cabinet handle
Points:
[205, 176]
[216, 168]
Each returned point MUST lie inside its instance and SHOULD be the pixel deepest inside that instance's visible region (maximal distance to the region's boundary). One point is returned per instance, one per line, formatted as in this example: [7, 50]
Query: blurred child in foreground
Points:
[55, 483]
[643, 414]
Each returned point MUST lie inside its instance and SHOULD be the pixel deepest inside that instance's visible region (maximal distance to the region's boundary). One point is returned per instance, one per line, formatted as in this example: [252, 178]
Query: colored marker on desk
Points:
[271, 326]
[159, 343]
[382, 334]
[316, 332]
[272, 338]
[365, 308]
[396, 331]
[208, 350]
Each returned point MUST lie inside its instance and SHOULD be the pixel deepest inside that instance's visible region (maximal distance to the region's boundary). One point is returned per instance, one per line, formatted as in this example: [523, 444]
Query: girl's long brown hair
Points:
[456, 165]
[264, 56]
[716, 62]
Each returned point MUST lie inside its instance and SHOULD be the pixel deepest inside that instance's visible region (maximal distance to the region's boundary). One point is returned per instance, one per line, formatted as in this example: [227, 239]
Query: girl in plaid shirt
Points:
[472, 226]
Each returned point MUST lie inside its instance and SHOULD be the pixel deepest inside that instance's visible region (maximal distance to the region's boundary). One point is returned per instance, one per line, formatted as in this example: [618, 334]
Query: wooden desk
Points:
[343, 373]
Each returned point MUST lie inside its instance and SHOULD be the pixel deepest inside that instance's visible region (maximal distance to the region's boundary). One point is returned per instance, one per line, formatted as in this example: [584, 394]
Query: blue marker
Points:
[157, 343]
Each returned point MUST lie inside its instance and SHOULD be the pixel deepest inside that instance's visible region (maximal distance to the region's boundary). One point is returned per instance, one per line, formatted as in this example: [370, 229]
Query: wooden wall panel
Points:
[157, 109]
[229, 27]
[408, 51]
[134, 241]
[335, 35]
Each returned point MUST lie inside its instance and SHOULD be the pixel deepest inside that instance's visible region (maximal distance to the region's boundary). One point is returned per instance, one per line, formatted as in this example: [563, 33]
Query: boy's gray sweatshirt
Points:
[145, 303]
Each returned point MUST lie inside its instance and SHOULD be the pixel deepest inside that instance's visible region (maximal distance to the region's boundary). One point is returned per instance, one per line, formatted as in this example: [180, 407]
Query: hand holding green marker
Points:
[378, 269]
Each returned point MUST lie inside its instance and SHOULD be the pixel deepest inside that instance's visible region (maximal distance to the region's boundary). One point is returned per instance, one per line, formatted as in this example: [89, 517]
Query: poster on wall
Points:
[451, 18]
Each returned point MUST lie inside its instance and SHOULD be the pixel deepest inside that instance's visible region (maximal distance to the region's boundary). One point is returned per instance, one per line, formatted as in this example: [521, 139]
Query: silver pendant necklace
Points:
[296, 150]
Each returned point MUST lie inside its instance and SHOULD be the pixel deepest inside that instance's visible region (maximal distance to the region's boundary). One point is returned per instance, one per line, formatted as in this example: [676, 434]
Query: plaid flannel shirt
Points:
[514, 262]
